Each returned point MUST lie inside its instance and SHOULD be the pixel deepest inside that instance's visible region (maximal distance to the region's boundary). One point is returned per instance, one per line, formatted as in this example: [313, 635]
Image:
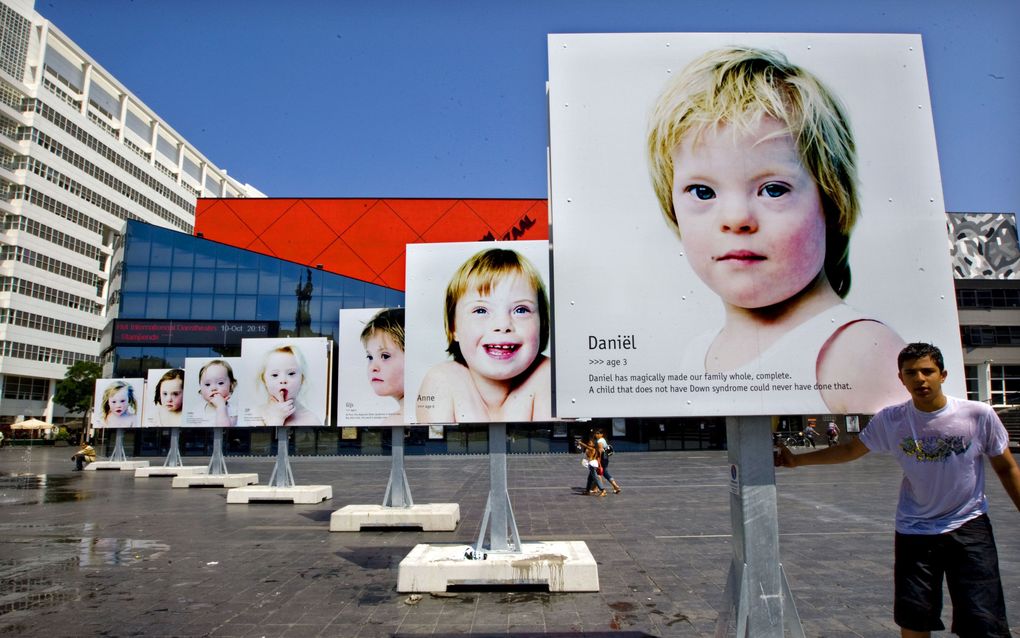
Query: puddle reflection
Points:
[25, 488]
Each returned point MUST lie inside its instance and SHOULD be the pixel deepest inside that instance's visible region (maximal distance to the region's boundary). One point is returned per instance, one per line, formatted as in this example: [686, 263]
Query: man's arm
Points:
[828, 456]
[1009, 474]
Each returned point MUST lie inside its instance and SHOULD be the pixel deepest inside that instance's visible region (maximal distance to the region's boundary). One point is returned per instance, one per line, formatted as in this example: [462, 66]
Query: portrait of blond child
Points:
[753, 162]
[383, 340]
[280, 382]
[216, 384]
[169, 398]
[497, 326]
[120, 410]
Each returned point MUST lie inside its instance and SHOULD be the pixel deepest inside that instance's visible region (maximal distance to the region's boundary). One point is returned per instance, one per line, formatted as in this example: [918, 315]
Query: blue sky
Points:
[420, 98]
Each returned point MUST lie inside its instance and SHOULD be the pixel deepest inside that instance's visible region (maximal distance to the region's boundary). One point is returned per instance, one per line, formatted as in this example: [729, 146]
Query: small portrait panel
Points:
[118, 403]
[370, 387]
[210, 392]
[286, 381]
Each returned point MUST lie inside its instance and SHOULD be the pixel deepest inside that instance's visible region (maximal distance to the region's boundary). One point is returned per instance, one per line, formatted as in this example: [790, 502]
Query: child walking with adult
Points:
[593, 463]
[605, 451]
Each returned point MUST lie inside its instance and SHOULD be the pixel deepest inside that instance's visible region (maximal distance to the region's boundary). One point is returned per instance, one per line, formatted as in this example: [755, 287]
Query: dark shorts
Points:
[967, 558]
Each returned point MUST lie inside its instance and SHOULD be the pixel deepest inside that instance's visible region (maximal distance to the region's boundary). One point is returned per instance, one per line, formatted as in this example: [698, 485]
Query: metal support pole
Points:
[118, 447]
[497, 509]
[756, 587]
[282, 475]
[217, 464]
[398, 490]
[173, 457]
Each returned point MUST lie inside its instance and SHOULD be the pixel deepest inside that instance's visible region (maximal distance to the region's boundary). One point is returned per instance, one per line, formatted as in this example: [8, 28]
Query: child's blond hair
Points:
[739, 86]
[480, 273]
[388, 321]
[113, 389]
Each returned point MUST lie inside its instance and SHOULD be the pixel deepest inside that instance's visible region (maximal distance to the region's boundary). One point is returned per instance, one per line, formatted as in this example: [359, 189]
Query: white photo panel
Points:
[164, 398]
[370, 386]
[211, 398]
[496, 366]
[743, 306]
[118, 403]
[285, 382]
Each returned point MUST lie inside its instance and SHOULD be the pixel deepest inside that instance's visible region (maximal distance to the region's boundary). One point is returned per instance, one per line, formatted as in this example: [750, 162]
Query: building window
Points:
[26, 388]
[992, 298]
[1004, 387]
[990, 336]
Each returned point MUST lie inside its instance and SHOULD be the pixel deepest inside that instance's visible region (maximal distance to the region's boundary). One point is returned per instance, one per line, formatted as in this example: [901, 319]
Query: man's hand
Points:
[829, 456]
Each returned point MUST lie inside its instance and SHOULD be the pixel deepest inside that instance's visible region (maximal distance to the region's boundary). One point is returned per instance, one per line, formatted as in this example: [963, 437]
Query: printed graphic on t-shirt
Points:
[934, 448]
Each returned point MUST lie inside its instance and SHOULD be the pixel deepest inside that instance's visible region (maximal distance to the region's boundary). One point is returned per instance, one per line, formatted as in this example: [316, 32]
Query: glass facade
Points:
[166, 274]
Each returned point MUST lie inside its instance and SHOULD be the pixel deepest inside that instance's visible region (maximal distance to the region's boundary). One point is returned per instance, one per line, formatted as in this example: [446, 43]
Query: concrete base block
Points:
[563, 565]
[215, 480]
[430, 517]
[160, 470]
[115, 465]
[295, 494]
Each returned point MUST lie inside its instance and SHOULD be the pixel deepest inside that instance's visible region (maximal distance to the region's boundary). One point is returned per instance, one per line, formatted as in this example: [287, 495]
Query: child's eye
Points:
[522, 310]
[368, 356]
[384, 356]
[479, 311]
[774, 190]
[700, 191]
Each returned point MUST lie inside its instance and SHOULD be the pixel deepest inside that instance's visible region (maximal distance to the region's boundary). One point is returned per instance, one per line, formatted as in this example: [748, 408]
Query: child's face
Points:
[385, 365]
[171, 394]
[119, 402]
[749, 213]
[214, 382]
[283, 376]
[499, 333]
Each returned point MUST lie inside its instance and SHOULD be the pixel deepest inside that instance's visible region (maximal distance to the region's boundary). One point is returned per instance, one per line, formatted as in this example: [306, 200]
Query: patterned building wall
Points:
[984, 245]
[364, 238]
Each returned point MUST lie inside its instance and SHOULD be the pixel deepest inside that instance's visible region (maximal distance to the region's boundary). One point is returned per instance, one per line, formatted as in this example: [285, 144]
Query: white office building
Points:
[79, 155]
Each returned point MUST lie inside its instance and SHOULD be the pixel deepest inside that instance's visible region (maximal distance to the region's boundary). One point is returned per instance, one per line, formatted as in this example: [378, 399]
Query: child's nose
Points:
[502, 323]
[738, 216]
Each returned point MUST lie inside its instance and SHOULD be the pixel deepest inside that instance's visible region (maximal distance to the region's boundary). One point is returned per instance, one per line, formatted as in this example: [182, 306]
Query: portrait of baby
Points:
[210, 391]
[285, 382]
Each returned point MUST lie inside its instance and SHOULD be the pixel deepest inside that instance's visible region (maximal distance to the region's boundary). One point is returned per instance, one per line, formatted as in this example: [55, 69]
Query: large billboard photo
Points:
[478, 332]
[743, 223]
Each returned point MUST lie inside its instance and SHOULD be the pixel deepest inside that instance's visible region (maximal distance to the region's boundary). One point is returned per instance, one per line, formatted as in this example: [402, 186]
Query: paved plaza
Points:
[105, 554]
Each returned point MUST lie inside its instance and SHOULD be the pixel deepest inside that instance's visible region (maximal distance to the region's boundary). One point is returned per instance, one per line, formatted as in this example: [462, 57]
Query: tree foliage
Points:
[75, 390]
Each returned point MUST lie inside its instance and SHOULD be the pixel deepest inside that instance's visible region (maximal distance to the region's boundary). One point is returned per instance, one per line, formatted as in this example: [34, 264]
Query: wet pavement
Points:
[105, 554]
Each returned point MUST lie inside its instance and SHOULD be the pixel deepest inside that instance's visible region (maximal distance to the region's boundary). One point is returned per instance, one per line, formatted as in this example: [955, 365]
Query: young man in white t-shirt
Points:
[941, 521]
